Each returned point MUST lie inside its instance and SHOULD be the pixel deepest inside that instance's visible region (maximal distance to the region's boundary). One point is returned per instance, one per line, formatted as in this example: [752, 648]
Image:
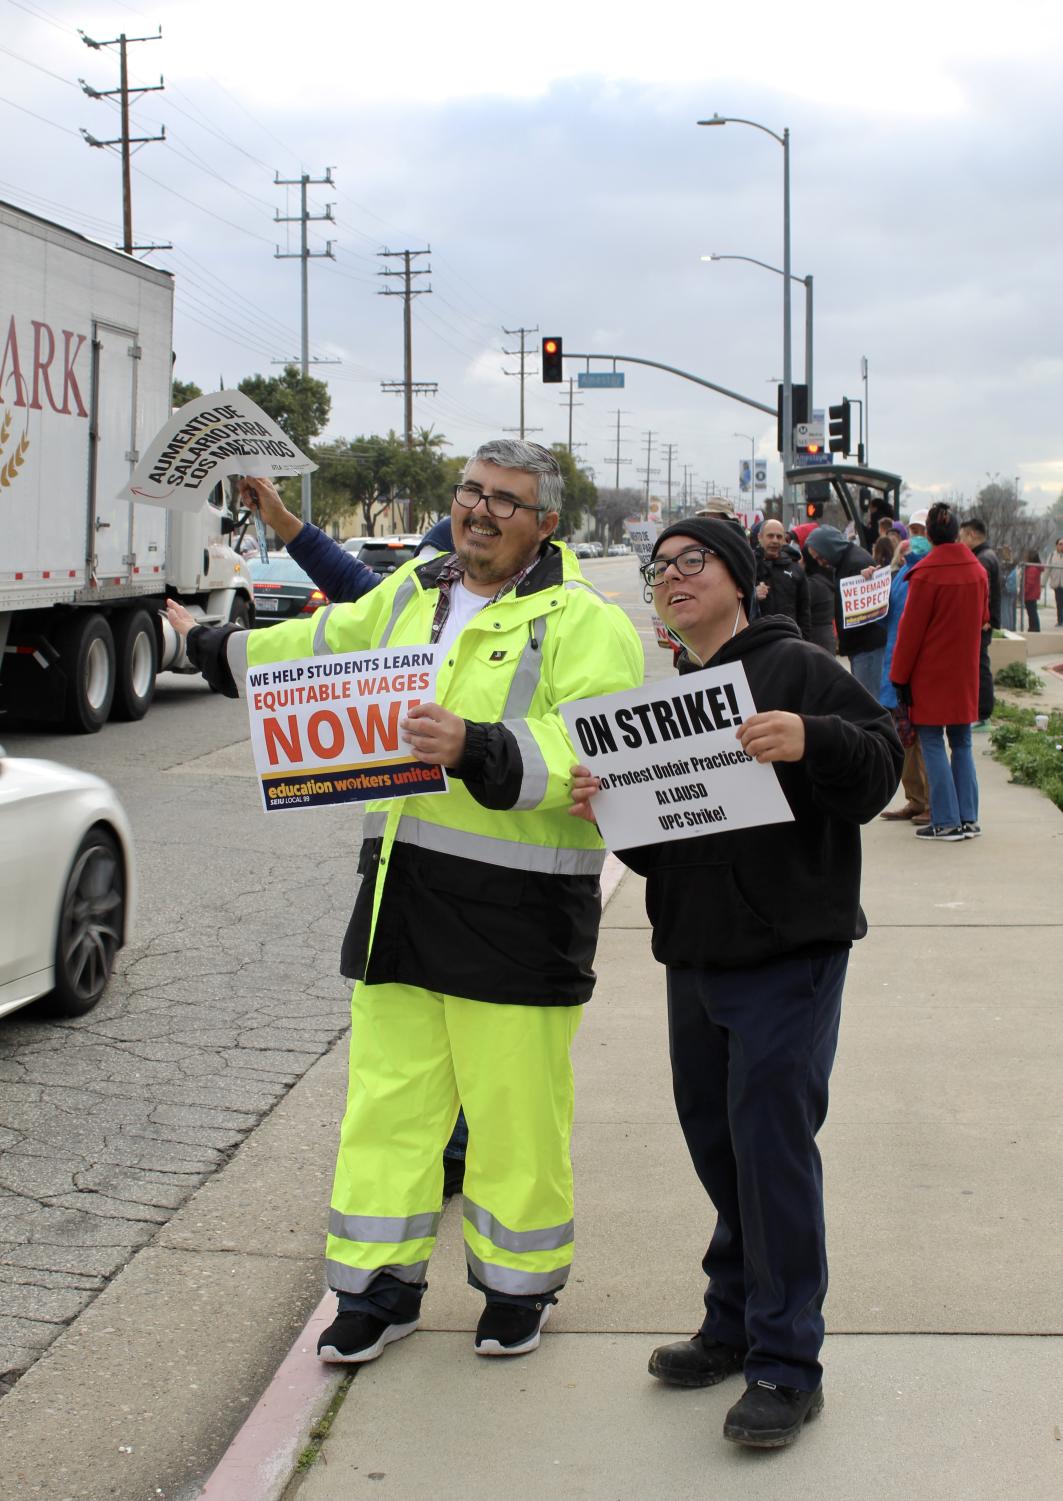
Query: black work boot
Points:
[767, 1416]
[695, 1362]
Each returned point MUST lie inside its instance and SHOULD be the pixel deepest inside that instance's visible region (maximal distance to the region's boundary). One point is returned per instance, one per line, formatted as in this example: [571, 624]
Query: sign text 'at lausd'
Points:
[326, 729]
[669, 760]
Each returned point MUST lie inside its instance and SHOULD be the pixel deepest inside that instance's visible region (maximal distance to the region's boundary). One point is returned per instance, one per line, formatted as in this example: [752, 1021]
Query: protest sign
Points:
[208, 439]
[669, 761]
[326, 729]
[642, 535]
[864, 600]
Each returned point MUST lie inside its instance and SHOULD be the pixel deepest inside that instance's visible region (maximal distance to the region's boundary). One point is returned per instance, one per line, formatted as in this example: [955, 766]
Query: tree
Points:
[613, 509]
[581, 493]
[184, 391]
[370, 474]
[298, 403]
[1008, 523]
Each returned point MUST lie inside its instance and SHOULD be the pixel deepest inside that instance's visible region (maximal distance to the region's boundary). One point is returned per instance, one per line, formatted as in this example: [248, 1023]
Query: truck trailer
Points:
[86, 358]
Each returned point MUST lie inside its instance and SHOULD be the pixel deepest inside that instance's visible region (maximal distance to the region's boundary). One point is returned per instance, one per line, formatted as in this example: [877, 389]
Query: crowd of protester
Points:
[928, 660]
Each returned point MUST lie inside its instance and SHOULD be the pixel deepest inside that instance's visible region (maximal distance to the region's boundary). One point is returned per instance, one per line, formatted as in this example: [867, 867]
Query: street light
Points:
[806, 282]
[752, 467]
[787, 374]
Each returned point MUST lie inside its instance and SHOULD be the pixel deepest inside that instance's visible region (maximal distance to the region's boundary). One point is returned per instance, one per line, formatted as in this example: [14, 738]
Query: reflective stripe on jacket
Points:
[490, 890]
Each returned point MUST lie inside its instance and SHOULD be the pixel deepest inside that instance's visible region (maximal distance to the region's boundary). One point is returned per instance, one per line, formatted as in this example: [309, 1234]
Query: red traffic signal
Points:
[552, 358]
[813, 509]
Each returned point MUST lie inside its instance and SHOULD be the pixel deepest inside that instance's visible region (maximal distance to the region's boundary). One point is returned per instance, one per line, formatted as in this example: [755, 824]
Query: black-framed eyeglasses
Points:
[499, 505]
[690, 561]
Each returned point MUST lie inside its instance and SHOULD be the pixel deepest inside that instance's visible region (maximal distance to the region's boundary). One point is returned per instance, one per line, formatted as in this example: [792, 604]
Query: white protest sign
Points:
[326, 729]
[642, 535]
[208, 439]
[669, 762]
[865, 600]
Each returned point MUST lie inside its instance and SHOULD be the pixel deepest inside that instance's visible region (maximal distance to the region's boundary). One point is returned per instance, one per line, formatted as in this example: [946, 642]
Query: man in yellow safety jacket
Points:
[474, 929]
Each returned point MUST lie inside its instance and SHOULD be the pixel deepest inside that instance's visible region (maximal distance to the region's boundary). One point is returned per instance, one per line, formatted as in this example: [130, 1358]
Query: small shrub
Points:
[1019, 677]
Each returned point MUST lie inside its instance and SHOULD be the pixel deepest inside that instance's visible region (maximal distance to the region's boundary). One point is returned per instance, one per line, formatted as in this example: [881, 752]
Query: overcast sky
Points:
[550, 157]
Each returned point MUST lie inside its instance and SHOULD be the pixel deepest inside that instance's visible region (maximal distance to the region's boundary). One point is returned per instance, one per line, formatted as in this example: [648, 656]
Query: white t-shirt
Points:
[463, 606]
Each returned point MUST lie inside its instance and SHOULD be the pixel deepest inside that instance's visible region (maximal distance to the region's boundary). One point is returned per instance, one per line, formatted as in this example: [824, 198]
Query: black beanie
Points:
[726, 540]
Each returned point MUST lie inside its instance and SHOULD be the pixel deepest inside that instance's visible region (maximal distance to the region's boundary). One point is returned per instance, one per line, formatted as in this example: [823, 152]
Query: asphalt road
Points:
[227, 994]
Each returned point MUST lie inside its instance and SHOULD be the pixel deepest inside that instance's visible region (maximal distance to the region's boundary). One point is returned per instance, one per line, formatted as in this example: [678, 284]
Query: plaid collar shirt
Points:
[452, 572]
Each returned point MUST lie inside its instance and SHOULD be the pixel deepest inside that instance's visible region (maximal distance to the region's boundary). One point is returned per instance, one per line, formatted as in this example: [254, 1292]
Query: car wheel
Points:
[91, 920]
[136, 659]
[87, 654]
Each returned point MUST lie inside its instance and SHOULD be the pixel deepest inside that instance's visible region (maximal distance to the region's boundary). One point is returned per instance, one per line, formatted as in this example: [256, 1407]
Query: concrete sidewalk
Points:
[944, 1162]
[943, 1155]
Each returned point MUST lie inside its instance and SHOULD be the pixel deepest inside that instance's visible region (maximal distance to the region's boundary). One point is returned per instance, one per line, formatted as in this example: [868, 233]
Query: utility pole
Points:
[686, 486]
[305, 255]
[568, 402]
[669, 450]
[523, 353]
[867, 414]
[125, 140]
[407, 385]
[648, 471]
[619, 460]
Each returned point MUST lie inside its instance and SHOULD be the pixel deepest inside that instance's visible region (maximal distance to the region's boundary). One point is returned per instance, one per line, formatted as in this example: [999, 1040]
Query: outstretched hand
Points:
[179, 618]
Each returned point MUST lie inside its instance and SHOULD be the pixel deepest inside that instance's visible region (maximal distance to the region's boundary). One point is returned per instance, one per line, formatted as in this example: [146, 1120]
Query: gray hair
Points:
[529, 458]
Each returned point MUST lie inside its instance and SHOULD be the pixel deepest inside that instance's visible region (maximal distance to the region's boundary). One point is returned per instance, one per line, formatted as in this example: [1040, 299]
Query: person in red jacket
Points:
[935, 672]
[1031, 587]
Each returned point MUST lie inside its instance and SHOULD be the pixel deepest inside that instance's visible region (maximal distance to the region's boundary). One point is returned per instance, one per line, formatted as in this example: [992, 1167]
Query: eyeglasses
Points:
[500, 506]
[689, 562]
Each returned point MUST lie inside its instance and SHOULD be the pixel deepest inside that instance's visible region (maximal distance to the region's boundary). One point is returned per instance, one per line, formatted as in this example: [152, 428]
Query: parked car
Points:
[282, 589]
[67, 885]
[619, 550]
[385, 554]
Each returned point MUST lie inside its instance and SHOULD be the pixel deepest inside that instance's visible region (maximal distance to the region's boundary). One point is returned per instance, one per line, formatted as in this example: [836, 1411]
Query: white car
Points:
[67, 885]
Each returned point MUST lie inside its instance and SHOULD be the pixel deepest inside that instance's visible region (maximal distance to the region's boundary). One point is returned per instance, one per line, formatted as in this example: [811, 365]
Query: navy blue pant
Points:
[752, 1051]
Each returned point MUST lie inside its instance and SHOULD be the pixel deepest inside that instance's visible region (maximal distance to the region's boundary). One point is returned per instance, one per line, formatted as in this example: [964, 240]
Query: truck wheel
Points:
[136, 660]
[91, 922]
[87, 655]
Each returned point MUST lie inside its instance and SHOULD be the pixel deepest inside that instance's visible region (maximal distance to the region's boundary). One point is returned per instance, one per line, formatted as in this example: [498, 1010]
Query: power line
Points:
[408, 292]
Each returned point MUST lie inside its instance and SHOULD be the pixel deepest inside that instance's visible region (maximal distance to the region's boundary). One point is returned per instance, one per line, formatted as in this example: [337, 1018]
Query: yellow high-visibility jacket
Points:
[489, 890]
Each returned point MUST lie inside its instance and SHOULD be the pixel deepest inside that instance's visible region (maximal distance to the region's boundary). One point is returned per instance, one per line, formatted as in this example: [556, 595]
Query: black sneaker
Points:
[509, 1329]
[767, 1416]
[352, 1338]
[940, 831]
[971, 830]
[695, 1362]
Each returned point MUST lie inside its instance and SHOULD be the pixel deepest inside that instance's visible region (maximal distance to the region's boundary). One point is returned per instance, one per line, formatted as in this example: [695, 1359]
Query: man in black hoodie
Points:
[755, 927]
[864, 645]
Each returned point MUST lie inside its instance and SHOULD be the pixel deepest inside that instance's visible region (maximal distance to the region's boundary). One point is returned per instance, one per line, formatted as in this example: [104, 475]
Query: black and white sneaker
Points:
[352, 1338]
[508, 1329]
[940, 831]
[971, 830]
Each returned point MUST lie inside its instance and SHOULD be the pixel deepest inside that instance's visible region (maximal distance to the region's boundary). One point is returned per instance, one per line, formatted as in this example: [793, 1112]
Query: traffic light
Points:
[815, 494]
[841, 428]
[552, 362]
[798, 411]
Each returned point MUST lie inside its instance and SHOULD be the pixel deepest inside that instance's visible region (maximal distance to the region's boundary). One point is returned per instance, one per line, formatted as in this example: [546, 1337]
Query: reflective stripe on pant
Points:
[414, 1054]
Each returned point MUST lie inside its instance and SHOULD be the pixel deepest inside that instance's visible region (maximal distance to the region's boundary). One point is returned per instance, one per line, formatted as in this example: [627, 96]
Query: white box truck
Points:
[85, 380]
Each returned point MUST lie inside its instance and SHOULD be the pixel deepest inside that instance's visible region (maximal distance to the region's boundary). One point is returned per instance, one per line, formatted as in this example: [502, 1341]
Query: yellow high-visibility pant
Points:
[414, 1055]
